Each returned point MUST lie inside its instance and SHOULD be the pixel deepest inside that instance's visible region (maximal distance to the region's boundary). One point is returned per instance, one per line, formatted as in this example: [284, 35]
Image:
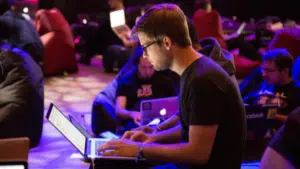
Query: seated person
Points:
[138, 83]
[211, 48]
[115, 48]
[105, 101]
[16, 31]
[22, 96]
[208, 22]
[284, 149]
[278, 86]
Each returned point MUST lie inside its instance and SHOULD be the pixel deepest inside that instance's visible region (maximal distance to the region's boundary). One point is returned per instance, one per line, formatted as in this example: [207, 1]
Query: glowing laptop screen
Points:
[117, 18]
[67, 129]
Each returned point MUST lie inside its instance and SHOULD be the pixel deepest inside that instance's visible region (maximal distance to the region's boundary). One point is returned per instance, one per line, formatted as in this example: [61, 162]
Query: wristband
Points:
[140, 154]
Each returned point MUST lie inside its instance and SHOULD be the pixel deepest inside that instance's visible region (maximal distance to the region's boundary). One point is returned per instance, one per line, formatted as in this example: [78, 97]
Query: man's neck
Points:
[183, 58]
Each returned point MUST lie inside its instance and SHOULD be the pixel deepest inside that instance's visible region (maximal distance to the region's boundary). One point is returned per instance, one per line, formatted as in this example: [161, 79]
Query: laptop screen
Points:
[62, 123]
[117, 18]
[13, 165]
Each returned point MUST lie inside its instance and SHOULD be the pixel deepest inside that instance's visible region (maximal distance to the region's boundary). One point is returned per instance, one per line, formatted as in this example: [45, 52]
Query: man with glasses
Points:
[278, 86]
[212, 130]
[142, 82]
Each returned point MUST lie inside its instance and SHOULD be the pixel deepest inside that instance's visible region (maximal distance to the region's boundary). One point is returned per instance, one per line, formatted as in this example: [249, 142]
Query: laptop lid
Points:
[158, 108]
[117, 18]
[257, 111]
[67, 129]
[83, 18]
[241, 28]
[13, 165]
[258, 118]
[79, 126]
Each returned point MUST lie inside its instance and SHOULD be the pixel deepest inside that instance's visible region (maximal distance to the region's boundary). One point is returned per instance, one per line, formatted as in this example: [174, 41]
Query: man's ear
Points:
[167, 43]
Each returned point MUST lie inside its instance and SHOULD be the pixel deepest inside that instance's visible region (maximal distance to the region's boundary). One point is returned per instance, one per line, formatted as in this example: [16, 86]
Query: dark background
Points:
[244, 9]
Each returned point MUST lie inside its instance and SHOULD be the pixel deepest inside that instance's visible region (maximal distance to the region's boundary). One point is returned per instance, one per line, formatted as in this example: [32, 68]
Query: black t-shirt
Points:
[287, 140]
[287, 97]
[208, 96]
[136, 89]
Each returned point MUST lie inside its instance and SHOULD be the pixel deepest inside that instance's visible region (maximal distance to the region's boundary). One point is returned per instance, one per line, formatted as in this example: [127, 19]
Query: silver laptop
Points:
[158, 109]
[86, 145]
[118, 22]
[241, 28]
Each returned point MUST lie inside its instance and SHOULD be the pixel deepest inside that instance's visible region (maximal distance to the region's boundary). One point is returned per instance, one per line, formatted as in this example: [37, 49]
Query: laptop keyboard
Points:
[99, 143]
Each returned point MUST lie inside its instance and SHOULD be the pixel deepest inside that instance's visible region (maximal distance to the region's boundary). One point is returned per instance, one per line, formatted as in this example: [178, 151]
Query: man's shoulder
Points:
[206, 65]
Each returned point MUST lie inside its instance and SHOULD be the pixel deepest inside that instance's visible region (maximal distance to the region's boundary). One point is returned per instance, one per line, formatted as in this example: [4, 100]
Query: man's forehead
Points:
[143, 38]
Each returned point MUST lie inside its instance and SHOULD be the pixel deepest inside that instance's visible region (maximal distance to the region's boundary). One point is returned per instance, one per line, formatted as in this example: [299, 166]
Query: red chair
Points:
[287, 38]
[244, 66]
[58, 41]
[208, 25]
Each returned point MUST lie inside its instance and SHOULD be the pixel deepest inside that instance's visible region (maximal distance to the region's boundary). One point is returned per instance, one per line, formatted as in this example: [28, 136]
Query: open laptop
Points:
[86, 145]
[13, 165]
[259, 117]
[106, 134]
[160, 109]
[118, 22]
[241, 28]
[83, 18]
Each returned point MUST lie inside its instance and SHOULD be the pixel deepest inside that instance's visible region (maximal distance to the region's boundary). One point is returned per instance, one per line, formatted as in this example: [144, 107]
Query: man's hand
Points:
[120, 147]
[136, 117]
[146, 129]
[138, 136]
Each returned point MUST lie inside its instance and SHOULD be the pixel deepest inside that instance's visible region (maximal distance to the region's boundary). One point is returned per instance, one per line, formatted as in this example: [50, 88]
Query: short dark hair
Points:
[164, 20]
[281, 57]
[192, 31]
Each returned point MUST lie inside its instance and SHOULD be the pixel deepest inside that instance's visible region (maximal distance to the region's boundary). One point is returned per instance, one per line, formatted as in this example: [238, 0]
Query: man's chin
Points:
[159, 68]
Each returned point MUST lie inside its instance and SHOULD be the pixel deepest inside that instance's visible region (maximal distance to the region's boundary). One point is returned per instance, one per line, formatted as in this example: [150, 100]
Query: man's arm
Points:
[129, 43]
[169, 123]
[281, 117]
[120, 110]
[171, 135]
[124, 114]
[273, 160]
[197, 151]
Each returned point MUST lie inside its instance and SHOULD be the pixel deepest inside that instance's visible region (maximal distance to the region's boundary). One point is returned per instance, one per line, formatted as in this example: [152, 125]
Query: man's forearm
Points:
[281, 117]
[181, 153]
[172, 135]
[169, 123]
[122, 113]
[129, 43]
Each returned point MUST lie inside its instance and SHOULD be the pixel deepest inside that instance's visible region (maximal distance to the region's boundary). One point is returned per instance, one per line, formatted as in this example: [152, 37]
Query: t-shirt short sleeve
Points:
[206, 100]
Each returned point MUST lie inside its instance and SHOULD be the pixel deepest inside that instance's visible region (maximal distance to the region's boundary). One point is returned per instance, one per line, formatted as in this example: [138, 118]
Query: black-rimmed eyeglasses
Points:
[145, 47]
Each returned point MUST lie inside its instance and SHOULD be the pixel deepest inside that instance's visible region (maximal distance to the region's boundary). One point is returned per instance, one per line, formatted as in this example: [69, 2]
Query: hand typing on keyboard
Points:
[120, 147]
